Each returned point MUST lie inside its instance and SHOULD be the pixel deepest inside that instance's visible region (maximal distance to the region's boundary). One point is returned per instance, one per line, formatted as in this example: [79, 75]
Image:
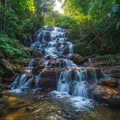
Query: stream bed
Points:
[55, 106]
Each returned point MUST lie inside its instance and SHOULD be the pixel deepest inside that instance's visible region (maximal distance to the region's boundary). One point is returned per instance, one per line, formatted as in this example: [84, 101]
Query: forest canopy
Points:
[93, 24]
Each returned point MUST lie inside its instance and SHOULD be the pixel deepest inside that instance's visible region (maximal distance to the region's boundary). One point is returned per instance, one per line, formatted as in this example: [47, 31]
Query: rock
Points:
[77, 58]
[115, 73]
[110, 82]
[1, 55]
[37, 98]
[93, 73]
[36, 54]
[1, 95]
[49, 83]
[29, 108]
[8, 67]
[3, 103]
[52, 118]
[107, 95]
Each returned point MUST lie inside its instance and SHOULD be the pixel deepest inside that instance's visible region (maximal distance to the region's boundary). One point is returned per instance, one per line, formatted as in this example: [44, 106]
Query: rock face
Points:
[39, 74]
[48, 79]
[108, 91]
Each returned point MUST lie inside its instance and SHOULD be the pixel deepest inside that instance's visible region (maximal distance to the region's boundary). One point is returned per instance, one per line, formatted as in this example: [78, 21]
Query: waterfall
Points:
[53, 43]
[75, 82]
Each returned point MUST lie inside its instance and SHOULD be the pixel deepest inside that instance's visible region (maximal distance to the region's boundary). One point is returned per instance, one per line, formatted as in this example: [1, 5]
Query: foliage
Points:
[98, 25]
[11, 47]
[108, 60]
[94, 24]
[1, 71]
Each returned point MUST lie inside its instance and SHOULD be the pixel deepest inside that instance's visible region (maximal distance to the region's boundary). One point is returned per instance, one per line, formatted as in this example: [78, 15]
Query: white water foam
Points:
[77, 102]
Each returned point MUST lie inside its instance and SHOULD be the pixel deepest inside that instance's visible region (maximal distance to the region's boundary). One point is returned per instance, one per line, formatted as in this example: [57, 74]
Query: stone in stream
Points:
[107, 91]
[29, 108]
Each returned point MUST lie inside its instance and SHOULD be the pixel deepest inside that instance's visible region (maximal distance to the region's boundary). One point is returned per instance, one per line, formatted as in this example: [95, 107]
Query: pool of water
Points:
[56, 106]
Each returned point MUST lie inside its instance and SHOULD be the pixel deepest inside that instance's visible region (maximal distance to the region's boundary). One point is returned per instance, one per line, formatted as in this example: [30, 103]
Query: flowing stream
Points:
[72, 98]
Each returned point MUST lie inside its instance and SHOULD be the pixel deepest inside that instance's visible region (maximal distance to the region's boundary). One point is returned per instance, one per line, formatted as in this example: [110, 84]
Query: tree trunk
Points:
[4, 15]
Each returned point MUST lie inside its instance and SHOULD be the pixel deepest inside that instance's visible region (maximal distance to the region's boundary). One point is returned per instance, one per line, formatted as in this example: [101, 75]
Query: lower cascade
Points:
[70, 79]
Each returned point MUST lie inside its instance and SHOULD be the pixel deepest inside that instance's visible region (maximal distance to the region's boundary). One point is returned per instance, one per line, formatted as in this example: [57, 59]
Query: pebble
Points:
[30, 108]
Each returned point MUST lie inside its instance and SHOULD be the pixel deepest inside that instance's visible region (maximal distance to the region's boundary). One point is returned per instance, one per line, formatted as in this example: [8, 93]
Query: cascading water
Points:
[73, 80]
[52, 42]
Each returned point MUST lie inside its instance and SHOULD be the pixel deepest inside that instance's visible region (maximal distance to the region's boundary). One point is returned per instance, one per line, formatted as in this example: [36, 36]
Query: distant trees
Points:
[98, 25]
[93, 23]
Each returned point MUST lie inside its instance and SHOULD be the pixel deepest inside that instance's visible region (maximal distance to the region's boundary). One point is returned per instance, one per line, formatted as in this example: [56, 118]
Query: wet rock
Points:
[52, 118]
[115, 73]
[95, 74]
[36, 54]
[107, 95]
[37, 98]
[77, 58]
[48, 83]
[29, 108]
[110, 82]
[3, 103]
[49, 28]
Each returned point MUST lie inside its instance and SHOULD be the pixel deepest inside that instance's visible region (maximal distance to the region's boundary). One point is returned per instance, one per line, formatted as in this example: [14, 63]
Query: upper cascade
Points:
[52, 42]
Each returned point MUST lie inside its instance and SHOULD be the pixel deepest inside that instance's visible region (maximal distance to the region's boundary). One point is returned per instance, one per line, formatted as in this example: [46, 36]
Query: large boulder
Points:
[49, 78]
[110, 82]
[108, 91]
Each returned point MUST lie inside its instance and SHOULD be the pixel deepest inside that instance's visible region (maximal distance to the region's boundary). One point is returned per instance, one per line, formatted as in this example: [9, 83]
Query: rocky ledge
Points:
[108, 91]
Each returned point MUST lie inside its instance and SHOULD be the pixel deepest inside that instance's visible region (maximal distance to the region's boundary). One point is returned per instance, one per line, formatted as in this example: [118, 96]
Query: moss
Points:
[108, 60]
[1, 72]
[81, 49]
[77, 58]
[102, 57]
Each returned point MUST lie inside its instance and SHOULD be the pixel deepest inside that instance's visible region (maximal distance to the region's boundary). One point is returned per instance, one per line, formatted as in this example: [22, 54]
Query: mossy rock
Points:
[6, 68]
[77, 58]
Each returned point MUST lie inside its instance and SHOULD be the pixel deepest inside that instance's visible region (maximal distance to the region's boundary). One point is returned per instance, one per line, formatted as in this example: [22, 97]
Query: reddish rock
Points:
[110, 82]
[107, 95]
